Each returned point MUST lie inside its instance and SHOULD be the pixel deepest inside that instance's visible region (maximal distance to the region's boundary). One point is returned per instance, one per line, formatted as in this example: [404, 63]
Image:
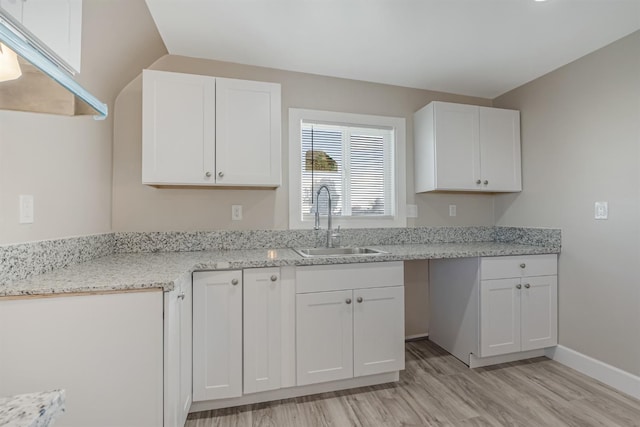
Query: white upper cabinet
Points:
[467, 148]
[202, 130]
[57, 23]
[247, 133]
[178, 115]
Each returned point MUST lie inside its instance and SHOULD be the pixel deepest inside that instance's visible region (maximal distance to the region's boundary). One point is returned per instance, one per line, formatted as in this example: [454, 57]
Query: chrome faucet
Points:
[330, 234]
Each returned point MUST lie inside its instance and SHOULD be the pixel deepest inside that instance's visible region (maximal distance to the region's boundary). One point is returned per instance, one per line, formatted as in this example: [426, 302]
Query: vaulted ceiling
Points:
[472, 47]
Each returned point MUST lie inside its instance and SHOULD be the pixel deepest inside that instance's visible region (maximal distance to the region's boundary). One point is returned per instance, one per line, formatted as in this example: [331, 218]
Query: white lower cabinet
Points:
[324, 332]
[217, 335]
[349, 321]
[262, 330]
[178, 357]
[105, 351]
[378, 330]
[494, 306]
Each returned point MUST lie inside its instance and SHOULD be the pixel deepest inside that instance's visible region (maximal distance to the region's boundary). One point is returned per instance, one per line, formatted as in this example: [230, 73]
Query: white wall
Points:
[581, 144]
[65, 162]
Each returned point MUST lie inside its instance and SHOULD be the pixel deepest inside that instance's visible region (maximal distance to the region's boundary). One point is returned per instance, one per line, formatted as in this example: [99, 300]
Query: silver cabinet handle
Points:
[274, 278]
[234, 282]
[478, 182]
[208, 174]
[518, 286]
[527, 285]
[181, 295]
[220, 174]
[348, 301]
[486, 182]
[359, 299]
[523, 265]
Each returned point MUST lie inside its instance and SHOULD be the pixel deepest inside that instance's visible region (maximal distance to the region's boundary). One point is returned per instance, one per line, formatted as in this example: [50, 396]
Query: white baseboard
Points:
[610, 375]
[416, 337]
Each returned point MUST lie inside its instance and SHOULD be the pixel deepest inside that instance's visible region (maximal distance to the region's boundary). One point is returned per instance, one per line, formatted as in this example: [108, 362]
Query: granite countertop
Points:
[32, 409]
[135, 271]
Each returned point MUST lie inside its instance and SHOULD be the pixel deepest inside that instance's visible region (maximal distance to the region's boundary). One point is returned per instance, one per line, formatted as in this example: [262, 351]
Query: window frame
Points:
[398, 124]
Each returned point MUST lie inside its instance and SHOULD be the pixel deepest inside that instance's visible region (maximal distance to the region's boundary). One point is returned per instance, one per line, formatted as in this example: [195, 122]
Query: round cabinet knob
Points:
[486, 182]
[220, 174]
[523, 265]
[359, 299]
[518, 286]
[274, 278]
[348, 301]
[527, 285]
[234, 282]
[478, 182]
[208, 174]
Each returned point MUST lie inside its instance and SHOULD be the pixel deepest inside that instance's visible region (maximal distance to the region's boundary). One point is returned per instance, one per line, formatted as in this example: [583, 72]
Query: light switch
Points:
[26, 209]
[602, 210]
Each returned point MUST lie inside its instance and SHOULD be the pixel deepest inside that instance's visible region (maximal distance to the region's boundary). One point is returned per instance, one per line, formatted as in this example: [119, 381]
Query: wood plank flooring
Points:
[438, 390]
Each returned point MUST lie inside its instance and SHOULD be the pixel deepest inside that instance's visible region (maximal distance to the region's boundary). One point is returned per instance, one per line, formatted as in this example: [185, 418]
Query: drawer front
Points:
[321, 278]
[518, 266]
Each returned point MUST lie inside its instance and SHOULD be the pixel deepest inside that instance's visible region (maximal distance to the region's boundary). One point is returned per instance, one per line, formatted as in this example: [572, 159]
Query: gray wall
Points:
[137, 207]
[65, 162]
[581, 144]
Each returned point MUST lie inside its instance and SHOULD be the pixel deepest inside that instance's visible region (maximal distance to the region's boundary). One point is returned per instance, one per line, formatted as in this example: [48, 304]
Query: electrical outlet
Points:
[452, 210]
[236, 212]
[26, 209]
[602, 210]
[412, 211]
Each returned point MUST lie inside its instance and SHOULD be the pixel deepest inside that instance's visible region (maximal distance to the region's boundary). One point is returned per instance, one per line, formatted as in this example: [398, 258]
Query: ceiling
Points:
[472, 47]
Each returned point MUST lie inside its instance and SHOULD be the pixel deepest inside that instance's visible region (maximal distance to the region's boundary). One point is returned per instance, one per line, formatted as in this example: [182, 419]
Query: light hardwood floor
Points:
[438, 390]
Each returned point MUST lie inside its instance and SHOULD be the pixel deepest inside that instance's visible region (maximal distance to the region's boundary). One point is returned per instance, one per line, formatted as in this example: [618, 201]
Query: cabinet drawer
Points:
[321, 278]
[518, 266]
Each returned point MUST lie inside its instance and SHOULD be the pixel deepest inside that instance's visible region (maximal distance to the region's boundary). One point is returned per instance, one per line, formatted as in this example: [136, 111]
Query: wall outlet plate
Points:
[236, 212]
[412, 211]
[453, 211]
[25, 209]
[602, 210]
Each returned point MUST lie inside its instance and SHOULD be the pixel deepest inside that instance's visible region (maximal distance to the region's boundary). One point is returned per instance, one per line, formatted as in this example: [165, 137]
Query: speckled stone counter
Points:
[32, 409]
[135, 271]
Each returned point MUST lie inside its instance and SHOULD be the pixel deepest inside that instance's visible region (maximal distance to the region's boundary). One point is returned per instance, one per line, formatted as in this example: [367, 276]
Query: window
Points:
[359, 158]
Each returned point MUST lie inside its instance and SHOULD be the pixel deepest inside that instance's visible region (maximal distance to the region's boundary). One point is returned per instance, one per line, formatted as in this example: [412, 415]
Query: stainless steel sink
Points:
[323, 252]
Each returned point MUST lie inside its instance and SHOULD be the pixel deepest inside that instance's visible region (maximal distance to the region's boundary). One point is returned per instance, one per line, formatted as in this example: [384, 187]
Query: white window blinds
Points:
[355, 163]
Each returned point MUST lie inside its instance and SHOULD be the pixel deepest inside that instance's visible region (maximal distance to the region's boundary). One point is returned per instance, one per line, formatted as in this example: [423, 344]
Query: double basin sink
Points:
[325, 252]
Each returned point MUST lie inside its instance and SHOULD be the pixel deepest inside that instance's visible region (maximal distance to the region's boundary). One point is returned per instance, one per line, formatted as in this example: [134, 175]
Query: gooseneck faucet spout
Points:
[317, 224]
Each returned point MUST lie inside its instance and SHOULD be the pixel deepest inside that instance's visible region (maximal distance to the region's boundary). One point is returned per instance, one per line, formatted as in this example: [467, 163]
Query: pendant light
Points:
[9, 67]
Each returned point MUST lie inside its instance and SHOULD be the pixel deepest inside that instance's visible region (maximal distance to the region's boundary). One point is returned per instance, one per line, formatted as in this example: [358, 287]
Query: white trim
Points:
[287, 393]
[479, 362]
[296, 115]
[603, 372]
[416, 337]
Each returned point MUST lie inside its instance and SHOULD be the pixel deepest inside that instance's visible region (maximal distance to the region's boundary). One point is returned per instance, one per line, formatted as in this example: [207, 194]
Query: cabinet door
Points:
[58, 24]
[106, 351]
[186, 354]
[262, 329]
[324, 336]
[378, 330]
[500, 149]
[248, 133]
[539, 304]
[172, 318]
[178, 128]
[457, 147]
[217, 335]
[499, 316]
